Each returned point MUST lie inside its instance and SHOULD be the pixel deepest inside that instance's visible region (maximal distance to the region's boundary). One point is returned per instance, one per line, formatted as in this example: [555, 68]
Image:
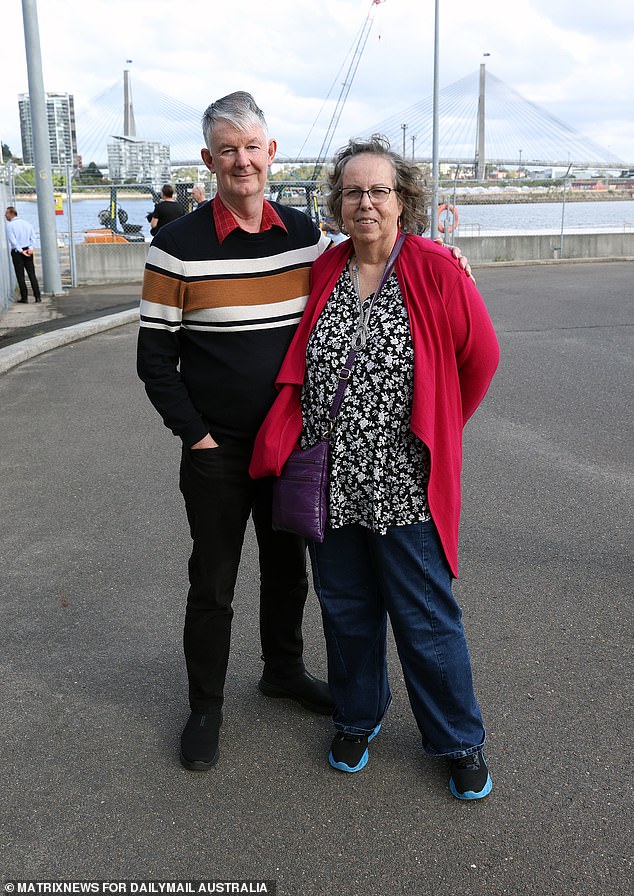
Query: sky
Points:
[572, 58]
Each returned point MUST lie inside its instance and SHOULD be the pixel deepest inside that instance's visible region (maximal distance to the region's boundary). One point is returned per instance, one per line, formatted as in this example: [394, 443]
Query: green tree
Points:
[90, 174]
[25, 177]
[292, 172]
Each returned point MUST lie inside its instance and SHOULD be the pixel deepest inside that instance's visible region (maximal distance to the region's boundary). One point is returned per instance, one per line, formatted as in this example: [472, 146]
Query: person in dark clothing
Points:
[166, 210]
[223, 291]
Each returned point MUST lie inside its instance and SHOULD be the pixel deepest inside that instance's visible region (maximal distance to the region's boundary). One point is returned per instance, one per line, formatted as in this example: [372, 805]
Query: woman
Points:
[394, 492]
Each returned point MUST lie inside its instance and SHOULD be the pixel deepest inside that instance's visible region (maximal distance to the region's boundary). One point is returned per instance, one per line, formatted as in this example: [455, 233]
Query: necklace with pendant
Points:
[365, 309]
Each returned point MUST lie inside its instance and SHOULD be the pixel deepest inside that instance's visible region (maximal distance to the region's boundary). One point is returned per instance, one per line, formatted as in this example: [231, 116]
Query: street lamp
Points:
[434, 143]
[519, 166]
[404, 129]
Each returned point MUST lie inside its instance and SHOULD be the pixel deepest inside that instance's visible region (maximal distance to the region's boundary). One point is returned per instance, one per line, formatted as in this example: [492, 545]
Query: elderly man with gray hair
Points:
[223, 291]
[198, 194]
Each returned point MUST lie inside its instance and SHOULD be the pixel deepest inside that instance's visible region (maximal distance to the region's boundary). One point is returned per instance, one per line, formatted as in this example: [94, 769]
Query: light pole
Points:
[52, 278]
[434, 150]
[519, 167]
[404, 129]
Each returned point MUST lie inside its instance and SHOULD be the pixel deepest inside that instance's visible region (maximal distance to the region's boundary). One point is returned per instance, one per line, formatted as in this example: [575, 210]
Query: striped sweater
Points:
[216, 320]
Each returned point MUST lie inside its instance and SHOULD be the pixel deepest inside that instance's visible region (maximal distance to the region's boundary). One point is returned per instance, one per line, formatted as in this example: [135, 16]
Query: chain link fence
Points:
[103, 230]
[105, 220]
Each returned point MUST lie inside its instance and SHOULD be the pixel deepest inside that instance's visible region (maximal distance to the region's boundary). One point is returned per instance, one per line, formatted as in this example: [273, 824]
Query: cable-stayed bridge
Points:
[515, 130]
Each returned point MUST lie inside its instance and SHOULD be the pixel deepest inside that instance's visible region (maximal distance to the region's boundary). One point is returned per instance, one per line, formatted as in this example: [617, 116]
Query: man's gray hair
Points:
[239, 109]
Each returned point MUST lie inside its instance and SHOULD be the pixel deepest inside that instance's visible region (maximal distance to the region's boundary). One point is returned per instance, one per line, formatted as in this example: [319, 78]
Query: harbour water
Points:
[546, 217]
[483, 219]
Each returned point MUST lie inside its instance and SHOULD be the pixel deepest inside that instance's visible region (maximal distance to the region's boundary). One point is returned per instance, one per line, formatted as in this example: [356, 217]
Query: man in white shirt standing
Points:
[21, 240]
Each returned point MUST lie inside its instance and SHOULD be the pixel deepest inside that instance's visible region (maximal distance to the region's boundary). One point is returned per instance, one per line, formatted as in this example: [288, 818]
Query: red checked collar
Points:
[226, 223]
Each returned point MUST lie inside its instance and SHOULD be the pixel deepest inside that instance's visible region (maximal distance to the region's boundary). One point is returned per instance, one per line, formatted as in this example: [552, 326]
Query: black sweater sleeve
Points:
[157, 365]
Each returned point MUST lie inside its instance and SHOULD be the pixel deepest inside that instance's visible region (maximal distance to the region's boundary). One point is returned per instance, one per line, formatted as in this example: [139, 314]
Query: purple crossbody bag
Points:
[300, 493]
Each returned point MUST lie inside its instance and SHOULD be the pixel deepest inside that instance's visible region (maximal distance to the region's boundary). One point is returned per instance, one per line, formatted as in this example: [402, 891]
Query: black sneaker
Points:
[349, 752]
[470, 778]
[199, 741]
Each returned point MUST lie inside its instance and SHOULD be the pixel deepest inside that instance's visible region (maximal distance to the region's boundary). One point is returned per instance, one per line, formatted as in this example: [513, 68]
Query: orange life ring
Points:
[450, 226]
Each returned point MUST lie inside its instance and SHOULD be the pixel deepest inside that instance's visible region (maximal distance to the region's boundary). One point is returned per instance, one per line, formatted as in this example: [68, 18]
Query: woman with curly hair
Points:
[426, 353]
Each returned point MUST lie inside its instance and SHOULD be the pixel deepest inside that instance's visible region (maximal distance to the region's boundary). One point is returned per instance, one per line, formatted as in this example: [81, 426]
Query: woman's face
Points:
[370, 224]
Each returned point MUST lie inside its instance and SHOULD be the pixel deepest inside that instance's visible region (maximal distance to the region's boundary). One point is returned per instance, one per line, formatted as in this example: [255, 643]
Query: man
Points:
[223, 291]
[198, 194]
[166, 210]
[21, 241]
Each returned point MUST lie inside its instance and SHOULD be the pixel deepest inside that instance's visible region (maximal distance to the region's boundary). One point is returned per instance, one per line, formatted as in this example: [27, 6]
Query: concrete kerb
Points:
[13, 355]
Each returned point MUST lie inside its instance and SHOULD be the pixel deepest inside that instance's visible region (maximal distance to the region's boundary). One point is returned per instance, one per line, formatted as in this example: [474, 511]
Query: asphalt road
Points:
[93, 555]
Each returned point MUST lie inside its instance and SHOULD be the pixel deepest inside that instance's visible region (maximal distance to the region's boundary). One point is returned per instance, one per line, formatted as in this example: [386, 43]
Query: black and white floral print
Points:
[380, 470]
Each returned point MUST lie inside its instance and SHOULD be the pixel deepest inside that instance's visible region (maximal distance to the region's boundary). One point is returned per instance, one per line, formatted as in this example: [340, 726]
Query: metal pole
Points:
[52, 279]
[71, 241]
[481, 167]
[563, 213]
[434, 161]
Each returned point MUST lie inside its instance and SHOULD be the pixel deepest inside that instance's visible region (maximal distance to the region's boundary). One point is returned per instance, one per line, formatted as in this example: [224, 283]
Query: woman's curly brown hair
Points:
[407, 178]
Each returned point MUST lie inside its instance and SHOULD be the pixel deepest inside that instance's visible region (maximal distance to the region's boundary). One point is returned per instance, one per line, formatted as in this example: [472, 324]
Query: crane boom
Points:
[345, 89]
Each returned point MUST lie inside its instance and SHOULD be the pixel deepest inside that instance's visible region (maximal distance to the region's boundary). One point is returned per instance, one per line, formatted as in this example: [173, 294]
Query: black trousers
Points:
[219, 498]
[21, 264]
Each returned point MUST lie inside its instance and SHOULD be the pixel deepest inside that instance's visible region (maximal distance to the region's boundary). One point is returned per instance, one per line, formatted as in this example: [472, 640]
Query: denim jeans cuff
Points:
[358, 732]
[364, 732]
[456, 754]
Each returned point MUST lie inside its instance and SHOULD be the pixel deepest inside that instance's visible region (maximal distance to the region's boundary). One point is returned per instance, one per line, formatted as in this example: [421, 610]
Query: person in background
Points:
[223, 291]
[166, 209]
[198, 194]
[427, 352]
[332, 231]
[21, 242]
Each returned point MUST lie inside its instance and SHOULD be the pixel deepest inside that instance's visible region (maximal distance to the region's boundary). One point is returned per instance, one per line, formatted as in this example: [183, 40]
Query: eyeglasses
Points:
[376, 195]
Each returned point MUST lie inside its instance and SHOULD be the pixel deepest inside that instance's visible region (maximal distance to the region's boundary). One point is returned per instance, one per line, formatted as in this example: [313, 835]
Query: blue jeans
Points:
[361, 577]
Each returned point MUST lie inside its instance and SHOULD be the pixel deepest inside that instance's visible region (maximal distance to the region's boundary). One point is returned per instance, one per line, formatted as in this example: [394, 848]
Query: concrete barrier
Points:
[99, 263]
[546, 247]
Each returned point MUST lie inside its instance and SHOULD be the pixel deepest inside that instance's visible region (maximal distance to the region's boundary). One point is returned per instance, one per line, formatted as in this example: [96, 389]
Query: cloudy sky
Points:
[573, 58]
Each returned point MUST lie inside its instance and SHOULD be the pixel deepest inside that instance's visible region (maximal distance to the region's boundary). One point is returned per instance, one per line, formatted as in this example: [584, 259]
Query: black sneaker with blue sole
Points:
[470, 778]
[349, 752]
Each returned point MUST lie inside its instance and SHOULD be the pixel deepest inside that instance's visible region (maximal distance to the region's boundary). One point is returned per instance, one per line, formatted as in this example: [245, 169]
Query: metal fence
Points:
[7, 278]
[116, 215]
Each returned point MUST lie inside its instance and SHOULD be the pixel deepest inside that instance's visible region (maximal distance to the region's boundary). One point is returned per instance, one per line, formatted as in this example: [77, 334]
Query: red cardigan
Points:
[455, 356]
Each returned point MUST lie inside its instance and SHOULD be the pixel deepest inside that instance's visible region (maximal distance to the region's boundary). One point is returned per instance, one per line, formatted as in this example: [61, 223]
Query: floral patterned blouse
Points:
[379, 468]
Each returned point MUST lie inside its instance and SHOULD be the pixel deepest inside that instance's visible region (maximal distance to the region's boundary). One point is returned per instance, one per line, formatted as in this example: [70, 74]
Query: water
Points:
[85, 215]
[545, 217]
[523, 218]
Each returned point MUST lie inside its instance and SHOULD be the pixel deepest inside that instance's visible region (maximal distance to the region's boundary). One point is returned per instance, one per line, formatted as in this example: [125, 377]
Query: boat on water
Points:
[116, 228]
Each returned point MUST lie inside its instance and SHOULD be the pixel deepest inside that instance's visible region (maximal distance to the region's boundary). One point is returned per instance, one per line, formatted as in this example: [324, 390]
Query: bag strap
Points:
[344, 373]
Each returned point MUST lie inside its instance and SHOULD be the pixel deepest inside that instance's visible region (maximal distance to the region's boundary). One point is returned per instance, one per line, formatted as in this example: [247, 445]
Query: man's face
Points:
[240, 160]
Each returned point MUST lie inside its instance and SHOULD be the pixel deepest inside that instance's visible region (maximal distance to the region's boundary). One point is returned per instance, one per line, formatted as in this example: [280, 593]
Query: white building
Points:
[60, 116]
[140, 161]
